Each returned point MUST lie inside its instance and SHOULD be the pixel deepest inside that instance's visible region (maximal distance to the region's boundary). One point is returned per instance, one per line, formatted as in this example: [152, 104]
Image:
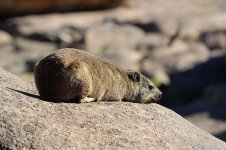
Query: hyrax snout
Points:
[71, 75]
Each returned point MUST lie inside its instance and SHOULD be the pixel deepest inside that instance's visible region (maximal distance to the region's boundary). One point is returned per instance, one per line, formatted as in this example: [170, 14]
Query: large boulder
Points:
[180, 56]
[27, 122]
[111, 36]
[14, 7]
[116, 43]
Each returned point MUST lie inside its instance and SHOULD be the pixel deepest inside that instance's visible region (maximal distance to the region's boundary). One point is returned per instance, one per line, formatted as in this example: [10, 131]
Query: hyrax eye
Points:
[150, 87]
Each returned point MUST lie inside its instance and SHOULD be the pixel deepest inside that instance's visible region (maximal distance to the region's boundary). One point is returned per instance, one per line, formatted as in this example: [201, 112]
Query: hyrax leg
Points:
[82, 82]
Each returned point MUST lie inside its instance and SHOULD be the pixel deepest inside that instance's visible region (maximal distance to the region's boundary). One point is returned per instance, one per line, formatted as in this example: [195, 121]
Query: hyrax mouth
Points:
[158, 96]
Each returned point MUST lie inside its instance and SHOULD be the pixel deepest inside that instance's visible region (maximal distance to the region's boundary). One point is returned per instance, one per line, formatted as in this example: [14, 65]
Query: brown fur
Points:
[70, 75]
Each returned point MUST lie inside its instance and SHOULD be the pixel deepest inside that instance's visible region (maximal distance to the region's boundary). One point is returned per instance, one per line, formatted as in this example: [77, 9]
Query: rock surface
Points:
[26, 122]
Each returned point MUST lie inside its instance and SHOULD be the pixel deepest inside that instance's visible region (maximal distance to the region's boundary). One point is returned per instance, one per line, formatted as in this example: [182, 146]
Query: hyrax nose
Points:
[159, 95]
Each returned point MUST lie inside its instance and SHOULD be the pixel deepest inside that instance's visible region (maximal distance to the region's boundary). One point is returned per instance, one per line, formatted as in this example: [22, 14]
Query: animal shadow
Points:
[28, 94]
[74, 101]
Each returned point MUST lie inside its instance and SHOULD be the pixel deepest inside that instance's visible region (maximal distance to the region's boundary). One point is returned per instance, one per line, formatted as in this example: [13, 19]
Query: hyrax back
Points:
[71, 75]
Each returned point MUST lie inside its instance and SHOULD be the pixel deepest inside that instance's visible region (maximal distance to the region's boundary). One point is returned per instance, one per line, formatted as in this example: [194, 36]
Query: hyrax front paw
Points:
[87, 100]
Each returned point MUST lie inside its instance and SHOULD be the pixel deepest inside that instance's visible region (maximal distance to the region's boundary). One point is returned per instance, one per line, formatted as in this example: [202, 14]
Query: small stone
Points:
[5, 38]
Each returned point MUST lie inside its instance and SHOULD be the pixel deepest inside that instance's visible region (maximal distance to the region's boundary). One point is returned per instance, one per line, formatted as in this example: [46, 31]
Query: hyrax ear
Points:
[135, 76]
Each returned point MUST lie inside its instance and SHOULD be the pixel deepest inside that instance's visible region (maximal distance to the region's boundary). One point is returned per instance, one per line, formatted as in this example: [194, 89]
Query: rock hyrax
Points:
[71, 75]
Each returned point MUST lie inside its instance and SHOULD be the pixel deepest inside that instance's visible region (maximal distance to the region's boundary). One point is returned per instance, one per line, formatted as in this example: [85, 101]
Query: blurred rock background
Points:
[180, 45]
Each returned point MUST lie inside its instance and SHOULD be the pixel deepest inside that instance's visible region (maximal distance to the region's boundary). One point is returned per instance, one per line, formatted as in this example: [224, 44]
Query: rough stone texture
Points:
[27, 122]
[14, 7]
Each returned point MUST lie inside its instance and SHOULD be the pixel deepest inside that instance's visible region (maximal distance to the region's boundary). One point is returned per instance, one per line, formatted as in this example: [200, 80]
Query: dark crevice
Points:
[150, 27]
[191, 84]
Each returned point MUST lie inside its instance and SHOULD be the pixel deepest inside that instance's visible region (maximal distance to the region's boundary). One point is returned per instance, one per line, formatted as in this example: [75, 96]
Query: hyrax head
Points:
[144, 90]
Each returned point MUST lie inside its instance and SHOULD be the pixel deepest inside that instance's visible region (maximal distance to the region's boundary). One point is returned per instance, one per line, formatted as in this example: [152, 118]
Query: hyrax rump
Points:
[71, 75]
